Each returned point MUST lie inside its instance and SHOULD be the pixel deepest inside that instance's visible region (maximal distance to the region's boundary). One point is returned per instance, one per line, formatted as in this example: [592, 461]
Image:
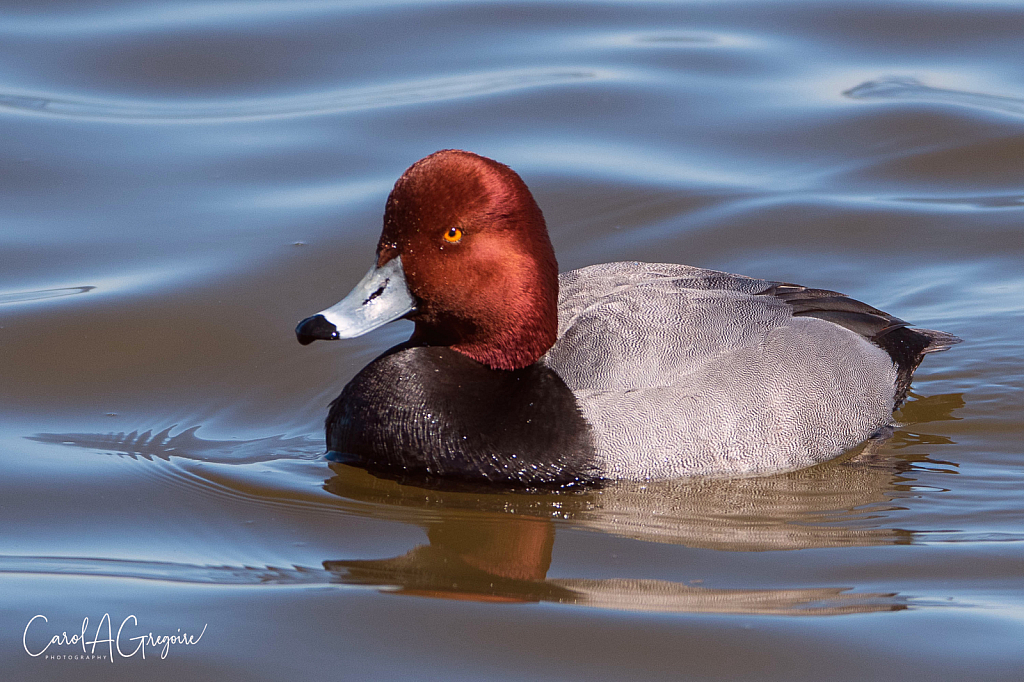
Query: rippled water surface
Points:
[183, 181]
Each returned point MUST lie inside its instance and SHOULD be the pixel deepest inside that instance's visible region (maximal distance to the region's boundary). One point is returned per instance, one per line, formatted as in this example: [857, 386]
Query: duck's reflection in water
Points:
[508, 562]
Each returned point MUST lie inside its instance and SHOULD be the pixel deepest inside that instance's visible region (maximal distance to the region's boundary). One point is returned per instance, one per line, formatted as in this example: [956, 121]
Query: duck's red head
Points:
[472, 246]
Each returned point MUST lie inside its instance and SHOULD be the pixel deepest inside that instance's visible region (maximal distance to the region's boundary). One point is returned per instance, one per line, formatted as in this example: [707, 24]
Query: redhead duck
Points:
[520, 377]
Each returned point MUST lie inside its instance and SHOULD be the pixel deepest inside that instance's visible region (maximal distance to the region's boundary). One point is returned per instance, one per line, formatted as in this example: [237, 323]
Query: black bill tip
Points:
[315, 328]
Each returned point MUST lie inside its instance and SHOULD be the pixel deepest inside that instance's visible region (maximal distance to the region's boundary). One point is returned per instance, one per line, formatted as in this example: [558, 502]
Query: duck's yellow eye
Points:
[453, 235]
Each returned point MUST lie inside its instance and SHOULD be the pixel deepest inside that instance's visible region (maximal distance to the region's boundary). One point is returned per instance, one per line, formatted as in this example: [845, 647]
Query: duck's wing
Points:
[630, 325]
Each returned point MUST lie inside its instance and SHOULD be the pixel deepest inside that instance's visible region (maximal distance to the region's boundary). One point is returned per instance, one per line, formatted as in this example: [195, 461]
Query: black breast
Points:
[432, 416]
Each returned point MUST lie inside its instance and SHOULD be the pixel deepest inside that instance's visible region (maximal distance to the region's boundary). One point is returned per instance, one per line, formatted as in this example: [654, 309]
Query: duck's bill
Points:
[380, 297]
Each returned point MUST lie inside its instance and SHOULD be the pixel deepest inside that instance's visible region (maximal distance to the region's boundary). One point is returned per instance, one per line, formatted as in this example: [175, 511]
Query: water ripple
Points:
[23, 296]
[402, 93]
[164, 445]
[162, 16]
[911, 89]
[161, 570]
[667, 39]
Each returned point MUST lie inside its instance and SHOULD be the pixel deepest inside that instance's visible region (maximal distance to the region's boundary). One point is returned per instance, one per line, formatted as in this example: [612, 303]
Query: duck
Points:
[516, 376]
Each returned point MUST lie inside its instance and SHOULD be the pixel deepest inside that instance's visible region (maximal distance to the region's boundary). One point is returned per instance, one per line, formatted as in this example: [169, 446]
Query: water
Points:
[184, 181]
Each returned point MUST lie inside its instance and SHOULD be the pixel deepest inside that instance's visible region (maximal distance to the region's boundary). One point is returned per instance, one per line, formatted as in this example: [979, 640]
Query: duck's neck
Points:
[514, 332]
[514, 347]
